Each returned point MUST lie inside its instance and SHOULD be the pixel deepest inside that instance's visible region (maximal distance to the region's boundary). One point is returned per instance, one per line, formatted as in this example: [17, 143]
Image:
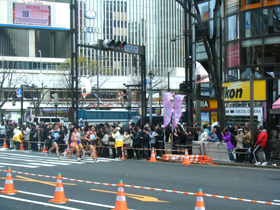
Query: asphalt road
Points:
[34, 192]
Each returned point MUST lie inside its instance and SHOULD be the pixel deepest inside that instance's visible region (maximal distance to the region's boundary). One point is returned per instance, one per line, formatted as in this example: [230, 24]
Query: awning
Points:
[276, 105]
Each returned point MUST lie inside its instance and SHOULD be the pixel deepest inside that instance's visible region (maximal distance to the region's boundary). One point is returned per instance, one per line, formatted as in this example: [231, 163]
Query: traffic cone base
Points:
[123, 155]
[153, 156]
[59, 196]
[44, 149]
[186, 158]
[5, 144]
[9, 184]
[120, 200]
[95, 153]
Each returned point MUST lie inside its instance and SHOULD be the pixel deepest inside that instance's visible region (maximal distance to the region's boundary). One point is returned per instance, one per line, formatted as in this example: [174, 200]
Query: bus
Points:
[102, 116]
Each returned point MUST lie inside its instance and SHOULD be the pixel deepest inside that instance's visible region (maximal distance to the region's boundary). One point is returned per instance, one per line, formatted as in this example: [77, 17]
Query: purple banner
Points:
[167, 108]
[177, 109]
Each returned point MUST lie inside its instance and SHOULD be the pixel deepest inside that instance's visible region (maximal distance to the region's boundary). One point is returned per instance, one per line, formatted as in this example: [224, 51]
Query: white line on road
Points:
[278, 201]
[38, 202]
[11, 164]
[71, 200]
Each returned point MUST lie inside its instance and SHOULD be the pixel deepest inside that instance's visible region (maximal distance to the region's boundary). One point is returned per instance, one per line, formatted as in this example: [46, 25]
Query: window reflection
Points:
[251, 52]
[232, 28]
[251, 23]
[271, 20]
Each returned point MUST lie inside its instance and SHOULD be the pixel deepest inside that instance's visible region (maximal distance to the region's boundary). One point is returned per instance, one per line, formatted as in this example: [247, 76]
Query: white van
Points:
[52, 120]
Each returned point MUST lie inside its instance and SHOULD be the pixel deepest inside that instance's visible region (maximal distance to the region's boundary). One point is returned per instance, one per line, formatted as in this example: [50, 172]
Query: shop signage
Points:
[240, 91]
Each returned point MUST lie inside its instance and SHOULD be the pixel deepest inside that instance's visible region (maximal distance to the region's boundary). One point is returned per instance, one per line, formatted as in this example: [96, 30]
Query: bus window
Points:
[105, 115]
[99, 114]
[36, 120]
[47, 120]
[55, 119]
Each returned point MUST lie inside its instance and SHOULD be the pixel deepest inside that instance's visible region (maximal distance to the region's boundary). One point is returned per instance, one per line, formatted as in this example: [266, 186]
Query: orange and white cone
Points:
[199, 201]
[9, 184]
[67, 149]
[21, 146]
[59, 196]
[123, 156]
[44, 150]
[153, 156]
[120, 200]
[5, 144]
[186, 158]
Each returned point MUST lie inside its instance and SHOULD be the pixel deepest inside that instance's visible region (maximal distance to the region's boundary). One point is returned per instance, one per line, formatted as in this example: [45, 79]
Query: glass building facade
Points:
[147, 23]
[251, 39]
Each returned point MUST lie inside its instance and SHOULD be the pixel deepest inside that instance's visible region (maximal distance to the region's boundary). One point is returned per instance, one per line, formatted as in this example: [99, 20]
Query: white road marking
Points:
[38, 202]
[70, 200]
[36, 160]
[278, 201]
[11, 164]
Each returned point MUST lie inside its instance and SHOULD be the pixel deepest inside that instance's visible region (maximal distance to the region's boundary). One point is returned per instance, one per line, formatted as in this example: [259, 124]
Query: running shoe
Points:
[96, 160]
[257, 163]
[46, 153]
[84, 152]
[71, 156]
[78, 159]
[64, 154]
[59, 158]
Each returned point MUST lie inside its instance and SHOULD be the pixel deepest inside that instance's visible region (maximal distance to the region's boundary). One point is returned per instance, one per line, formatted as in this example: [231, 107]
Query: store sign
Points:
[85, 29]
[240, 91]
[90, 14]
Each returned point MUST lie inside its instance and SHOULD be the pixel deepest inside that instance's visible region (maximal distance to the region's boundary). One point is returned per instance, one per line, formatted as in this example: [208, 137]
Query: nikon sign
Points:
[240, 91]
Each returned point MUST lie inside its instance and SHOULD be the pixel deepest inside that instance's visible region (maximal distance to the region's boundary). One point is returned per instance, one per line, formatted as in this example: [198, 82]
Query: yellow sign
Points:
[137, 197]
[240, 91]
[214, 117]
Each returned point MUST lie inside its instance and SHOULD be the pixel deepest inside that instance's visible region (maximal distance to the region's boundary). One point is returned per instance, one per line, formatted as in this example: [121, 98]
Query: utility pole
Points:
[97, 72]
[151, 95]
[21, 105]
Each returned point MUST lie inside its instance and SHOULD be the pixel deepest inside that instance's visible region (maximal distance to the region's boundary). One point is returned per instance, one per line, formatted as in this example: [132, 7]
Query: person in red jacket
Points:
[261, 143]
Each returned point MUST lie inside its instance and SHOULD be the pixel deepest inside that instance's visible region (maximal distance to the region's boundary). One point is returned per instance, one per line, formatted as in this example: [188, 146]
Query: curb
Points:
[245, 165]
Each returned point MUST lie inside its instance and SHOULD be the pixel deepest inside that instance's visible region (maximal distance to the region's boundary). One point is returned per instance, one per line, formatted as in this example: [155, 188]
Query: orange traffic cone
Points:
[199, 201]
[44, 150]
[120, 200]
[21, 146]
[68, 148]
[186, 158]
[153, 156]
[59, 196]
[9, 184]
[123, 156]
[95, 153]
[5, 144]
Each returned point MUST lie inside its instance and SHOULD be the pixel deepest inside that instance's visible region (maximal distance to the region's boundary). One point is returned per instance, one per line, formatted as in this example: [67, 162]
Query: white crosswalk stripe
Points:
[30, 159]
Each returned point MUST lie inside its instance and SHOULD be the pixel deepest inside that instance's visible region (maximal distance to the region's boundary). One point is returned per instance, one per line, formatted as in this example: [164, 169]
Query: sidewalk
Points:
[269, 164]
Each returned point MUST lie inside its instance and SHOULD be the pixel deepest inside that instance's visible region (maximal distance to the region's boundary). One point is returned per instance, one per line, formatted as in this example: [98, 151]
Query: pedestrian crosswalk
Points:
[30, 159]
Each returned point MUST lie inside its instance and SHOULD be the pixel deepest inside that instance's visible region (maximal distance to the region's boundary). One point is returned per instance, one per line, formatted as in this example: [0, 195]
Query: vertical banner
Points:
[201, 75]
[167, 108]
[177, 109]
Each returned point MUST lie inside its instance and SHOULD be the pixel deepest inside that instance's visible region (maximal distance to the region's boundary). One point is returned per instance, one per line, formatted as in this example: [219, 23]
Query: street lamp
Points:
[97, 73]
[40, 61]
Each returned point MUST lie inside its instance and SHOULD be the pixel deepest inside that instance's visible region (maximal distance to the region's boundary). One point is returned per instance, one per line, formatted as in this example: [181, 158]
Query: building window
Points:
[251, 23]
[251, 52]
[271, 50]
[271, 20]
[250, 4]
[231, 6]
[232, 28]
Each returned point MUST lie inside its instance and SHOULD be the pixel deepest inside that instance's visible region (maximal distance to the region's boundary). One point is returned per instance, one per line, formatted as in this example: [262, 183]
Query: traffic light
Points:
[184, 87]
[110, 44]
[13, 103]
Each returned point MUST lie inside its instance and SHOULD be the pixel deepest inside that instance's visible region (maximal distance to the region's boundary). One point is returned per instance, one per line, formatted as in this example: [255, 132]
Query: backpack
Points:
[233, 140]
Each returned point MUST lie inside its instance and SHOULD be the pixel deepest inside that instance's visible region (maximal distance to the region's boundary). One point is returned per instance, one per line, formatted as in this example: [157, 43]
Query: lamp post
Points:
[40, 61]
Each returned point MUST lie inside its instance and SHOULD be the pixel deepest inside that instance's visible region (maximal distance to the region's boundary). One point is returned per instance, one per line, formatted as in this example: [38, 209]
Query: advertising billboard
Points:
[31, 14]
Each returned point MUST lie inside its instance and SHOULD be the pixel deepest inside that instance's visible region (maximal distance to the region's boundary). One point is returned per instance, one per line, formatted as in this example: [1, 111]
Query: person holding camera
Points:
[227, 139]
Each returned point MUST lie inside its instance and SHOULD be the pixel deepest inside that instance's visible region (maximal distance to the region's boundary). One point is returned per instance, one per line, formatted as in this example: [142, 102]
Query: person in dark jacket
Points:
[181, 136]
[144, 138]
[34, 137]
[159, 139]
[136, 141]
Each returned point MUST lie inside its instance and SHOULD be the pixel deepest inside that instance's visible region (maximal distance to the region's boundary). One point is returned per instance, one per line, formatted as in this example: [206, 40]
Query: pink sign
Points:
[177, 109]
[233, 55]
[167, 108]
[32, 14]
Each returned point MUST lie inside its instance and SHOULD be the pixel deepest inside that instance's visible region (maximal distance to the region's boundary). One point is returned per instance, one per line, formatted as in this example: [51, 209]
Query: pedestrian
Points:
[261, 143]
[34, 137]
[239, 146]
[202, 134]
[159, 139]
[128, 143]
[136, 141]
[213, 136]
[227, 139]
[144, 138]
[2, 133]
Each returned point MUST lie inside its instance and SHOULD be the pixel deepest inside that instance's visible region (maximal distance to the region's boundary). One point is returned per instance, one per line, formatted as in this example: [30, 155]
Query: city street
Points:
[253, 183]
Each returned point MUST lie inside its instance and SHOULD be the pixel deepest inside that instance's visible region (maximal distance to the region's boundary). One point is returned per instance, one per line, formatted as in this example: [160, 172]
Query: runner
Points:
[54, 136]
[74, 144]
[93, 151]
[81, 147]
[89, 137]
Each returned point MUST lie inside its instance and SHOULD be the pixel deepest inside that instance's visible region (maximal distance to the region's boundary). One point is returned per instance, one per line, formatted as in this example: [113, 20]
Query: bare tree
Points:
[8, 81]
[210, 43]
[36, 92]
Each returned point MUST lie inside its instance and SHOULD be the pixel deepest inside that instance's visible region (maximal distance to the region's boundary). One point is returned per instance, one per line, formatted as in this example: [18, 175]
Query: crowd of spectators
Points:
[116, 136]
